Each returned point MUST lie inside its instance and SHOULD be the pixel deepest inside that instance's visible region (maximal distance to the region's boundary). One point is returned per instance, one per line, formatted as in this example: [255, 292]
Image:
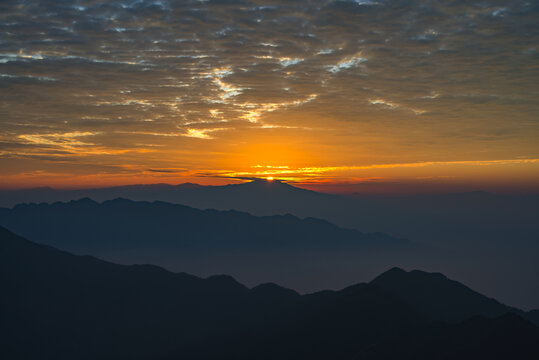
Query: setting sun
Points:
[269, 178]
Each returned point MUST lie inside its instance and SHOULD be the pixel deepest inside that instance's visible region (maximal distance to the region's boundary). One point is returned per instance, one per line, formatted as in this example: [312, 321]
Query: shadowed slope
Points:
[59, 306]
[440, 298]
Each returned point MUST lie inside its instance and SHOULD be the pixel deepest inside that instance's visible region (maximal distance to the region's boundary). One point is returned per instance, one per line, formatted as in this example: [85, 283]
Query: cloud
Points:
[156, 72]
[66, 140]
[201, 133]
[346, 63]
[166, 171]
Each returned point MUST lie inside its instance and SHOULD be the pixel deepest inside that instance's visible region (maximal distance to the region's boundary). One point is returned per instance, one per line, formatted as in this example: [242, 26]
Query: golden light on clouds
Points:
[335, 92]
[201, 133]
[345, 173]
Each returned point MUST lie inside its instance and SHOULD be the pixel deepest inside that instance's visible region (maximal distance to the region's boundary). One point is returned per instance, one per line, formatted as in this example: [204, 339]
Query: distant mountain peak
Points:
[264, 185]
[397, 273]
[266, 182]
[189, 185]
[84, 202]
[120, 200]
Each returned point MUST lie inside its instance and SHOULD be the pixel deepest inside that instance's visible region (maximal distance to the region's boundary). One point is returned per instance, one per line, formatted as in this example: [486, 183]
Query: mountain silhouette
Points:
[257, 194]
[456, 217]
[440, 298]
[180, 238]
[420, 217]
[63, 306]
[56, 305]
[60, 306]
[123, 224]
[496, 233]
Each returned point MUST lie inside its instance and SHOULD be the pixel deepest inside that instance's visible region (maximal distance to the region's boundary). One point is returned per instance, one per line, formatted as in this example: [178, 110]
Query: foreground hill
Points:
[59, 306]
[440, 298]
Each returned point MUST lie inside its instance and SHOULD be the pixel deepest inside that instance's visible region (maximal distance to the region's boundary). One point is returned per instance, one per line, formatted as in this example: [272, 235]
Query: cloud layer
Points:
[92, 87]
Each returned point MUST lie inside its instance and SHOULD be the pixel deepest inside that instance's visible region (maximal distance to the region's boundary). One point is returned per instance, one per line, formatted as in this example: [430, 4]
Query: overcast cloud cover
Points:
[112, 86]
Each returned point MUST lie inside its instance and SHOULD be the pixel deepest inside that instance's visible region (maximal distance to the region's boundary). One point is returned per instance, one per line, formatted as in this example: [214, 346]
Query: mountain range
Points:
[421, 217]
[121, 223]
[60, 306]
[493, 236]
[307, 254]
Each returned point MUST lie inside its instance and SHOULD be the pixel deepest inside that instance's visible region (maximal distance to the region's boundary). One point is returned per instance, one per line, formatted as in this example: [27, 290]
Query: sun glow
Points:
[269, 178]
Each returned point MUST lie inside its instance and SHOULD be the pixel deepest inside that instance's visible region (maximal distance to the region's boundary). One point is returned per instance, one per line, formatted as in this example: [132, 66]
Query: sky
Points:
[339, 95]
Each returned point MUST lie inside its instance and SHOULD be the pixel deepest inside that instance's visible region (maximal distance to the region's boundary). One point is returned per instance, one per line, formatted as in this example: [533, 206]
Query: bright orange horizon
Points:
[283, 163]
[378, 179]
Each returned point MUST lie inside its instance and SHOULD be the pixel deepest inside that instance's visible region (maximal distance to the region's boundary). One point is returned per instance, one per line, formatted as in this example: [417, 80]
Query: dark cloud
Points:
[164, 171]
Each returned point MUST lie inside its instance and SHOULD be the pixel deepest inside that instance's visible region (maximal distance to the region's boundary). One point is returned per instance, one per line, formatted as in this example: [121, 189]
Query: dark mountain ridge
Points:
[60, 306]
[441, 298]
[455, 217]
[195, 228]
[497, 233]
[173, 235]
